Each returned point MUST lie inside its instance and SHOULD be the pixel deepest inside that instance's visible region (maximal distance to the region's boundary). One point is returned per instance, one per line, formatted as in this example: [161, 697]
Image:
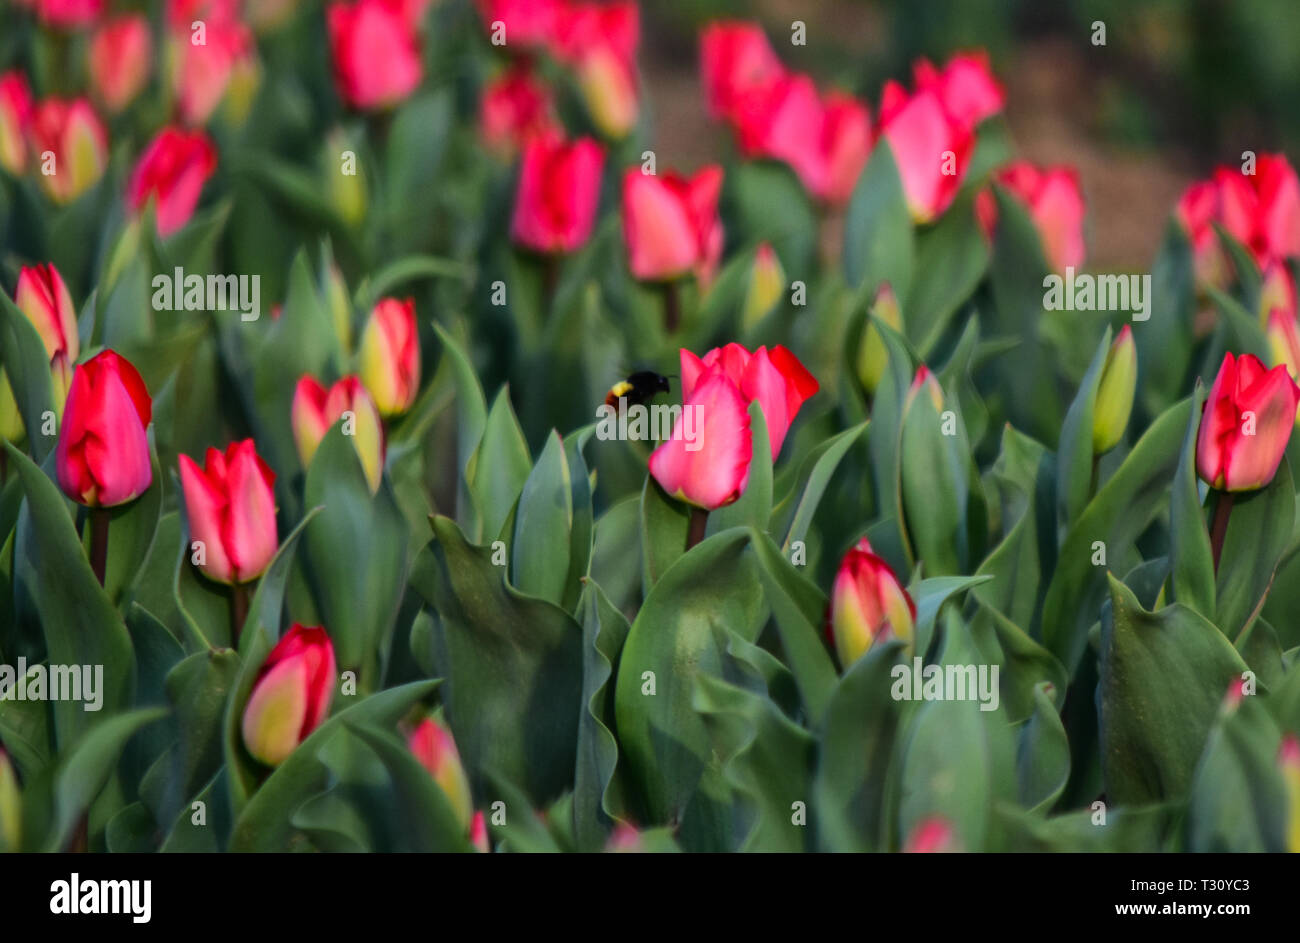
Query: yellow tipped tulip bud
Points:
[766, 282]
[1114, 403]
[873, 358]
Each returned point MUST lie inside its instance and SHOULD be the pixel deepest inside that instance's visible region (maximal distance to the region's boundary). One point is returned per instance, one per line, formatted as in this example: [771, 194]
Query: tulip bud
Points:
[559, 187]
[316, 409]
[515, 106]
[600, 41]
[291, 696]
[766, 283]
[1284, 341]
[172, 171]
[11, 420]
[671, 224]
[119, 61]
[375, 51]
[390, 356]
[347, 191]
[873, 356]
[931, 835]
[102, 458]
[867, 604]
[77, 145]
[340, 307]
[68, 14]
[230, 505]
[1288, 758]
[1277, 291]
[11, 810]
[15, 118]
[434, 747]
[42, 296]
[1115, 391]
[925, 381]
[735, 60]
[624, 839]
[1249, 414]
[478, 833]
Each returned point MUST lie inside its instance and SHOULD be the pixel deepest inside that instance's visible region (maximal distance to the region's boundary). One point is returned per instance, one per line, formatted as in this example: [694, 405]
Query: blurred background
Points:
[1179, 86]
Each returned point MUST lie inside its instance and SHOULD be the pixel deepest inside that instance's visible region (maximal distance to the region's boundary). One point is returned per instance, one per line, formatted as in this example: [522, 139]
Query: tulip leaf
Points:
[794, 514]
[1026, 668]
[671, 643]
[935, 483]
[664, 523]
[203, 606]
[1163, 676]
[407, 269]
[884, 440]
[954, 256]
[265, 610]
[1042, 752]
[78, 620]
[1165, 339]
[879, 240]
[1244, 266]
[1143, 828]
[1259, 532]
[929, 597]
[131, 534]
[499, 467]
[768, 203]
[1075, 464]
[540, 552]
[471, 414]
[513, 666]
[1189, 542]
[616, 553]
[27, 370]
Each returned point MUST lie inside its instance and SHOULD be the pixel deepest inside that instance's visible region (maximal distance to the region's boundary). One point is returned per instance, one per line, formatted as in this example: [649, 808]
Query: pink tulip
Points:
[846, 141]
[291, 696]
[559, 187]
[375, 51]
[42, 296]
[735, 60]
[70, 133]
[316, 409]
[715, 473]
[1055, 203]
[868, 605]
[15, 120]
[965, 85]
[515, 106]
[1277, 291]
[102, 458]
[931, 148]
[230, 504]
[527, 24]
[931, 835]
[671, 224]
[1262, 210]
[120, 54]
[390, 356]
[69, 14]
[599, 40]
[201, 75]
[433, 746]
[1248, 418]
[172, 170]
[1196, 212]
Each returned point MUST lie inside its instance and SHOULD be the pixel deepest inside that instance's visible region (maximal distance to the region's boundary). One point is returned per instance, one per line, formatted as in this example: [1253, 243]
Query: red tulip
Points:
[478, 834]
[1247, 423]
[15, 120]
[932, 835]
[515, 106]
[1055, 204]
[1197, 210]
[102, 458]
[735, 60]
[599, 40]
[712, 470]
[775, 378]
[931, 148]
[559, 187]
[1262, 210]
[201, 75]
[1277, 290]
[172, 170]
[965, 85]
[69, 14]
[72, 135]
[528, 24]
[230, 505]
[390, 356]
[120, 54]
[291, 696]
[316, 409]
[846, 142]
[376, 53]
[181, 14]
[671, 224]
[43, 297]
[433, 746]
[867, 605]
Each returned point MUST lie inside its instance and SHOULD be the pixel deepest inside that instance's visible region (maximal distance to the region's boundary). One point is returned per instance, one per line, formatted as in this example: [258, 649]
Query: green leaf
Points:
[1259, 532]
[540, 555]
[26, 366]
[471, 420]
[664, 523]
[407, 269]
[1027, 669]
[879, 241]
[1042, 753]
[1074, 464]
[499, 467]
[1163, 677]
[954, 256]
[1165, 339]
[794, 514]
[1189, 541]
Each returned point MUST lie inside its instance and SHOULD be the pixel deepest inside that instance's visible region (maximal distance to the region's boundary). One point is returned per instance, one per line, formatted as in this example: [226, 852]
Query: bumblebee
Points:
[637, 388]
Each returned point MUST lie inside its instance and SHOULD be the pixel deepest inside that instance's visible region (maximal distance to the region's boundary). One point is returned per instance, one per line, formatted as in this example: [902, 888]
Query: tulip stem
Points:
[100, 518]
[1219, 528]
[672, 307]
[695, 530]
[238, 611]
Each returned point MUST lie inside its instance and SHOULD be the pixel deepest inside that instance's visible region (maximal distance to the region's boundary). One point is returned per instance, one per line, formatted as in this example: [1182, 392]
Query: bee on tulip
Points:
[638, 389]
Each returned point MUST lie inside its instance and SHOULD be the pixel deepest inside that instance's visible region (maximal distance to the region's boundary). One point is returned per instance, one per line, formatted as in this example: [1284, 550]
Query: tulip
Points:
[735, 60]
[931, 835]
[924, 381]
[523, 24]
[44, 298]
[181, 14]
[15, 120]
[600, 41]
[172, 170]
[291, 696]
[119, 60]
[776, 379]
[931, 148]
[1247, 423]
[1288, 759]
[230, 506]
[390, 356]
[1055, 205]
[478, 834]
[624, 839]
[1277, 291]
[715, 472]
[1196, 212]
[316, 409]
[766, 283]
[1284, 341]
[559, 187]
[873, 356]
[433, 746]
[375, 51]
[846, 143]
[11, 817]
[69, 14]
[965, 85]
[515, 106]
[347, 192]
[867, 605]
[671, 224]
[69, 140]
[102, 458]
[11, 420]
[202, 74]
[1110, 412]
[1262, 210]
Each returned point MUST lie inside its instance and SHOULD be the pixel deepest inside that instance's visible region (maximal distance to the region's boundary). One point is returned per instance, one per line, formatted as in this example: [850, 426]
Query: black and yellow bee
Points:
[637, 388]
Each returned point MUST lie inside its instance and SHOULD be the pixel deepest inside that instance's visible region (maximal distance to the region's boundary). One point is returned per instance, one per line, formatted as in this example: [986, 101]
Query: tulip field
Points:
[407, 448]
